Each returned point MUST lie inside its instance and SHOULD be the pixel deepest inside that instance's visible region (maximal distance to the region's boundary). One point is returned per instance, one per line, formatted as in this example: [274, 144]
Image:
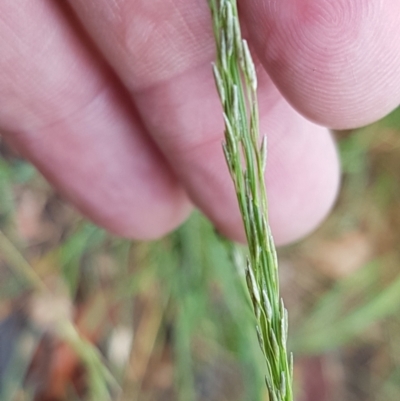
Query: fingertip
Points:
[302, 176]
[301, 189]
[337, 63]
[313, 192]
[141, 224]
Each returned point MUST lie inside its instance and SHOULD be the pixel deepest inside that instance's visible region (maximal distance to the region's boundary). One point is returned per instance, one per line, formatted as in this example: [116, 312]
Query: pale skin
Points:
[114, 102]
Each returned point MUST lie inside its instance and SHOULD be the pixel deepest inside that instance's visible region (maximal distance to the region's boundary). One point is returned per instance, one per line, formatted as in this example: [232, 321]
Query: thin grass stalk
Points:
[246, 156]
[100, 378]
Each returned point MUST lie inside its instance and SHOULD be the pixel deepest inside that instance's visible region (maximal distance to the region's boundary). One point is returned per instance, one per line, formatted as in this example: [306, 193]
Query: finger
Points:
[302, 171]
[162, 51]
[337, 62]
[65, 112]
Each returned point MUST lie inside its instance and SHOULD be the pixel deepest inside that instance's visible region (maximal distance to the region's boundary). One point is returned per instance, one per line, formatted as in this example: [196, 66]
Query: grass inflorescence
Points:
[246, 156]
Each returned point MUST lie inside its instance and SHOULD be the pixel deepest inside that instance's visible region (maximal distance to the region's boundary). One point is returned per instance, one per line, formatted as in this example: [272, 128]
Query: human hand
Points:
[122, 116]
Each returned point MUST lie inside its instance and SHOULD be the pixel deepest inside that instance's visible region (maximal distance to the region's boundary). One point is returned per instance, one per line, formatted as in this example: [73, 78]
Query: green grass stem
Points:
[246, 156]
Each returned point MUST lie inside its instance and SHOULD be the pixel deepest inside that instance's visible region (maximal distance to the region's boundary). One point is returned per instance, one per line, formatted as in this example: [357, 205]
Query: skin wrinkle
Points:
[142, 162]
[49, 124]
[185, 23]
[36, 114]
[50, 121]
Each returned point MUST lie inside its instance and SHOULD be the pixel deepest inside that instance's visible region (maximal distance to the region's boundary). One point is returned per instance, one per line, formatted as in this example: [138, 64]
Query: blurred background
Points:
[87, 316]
